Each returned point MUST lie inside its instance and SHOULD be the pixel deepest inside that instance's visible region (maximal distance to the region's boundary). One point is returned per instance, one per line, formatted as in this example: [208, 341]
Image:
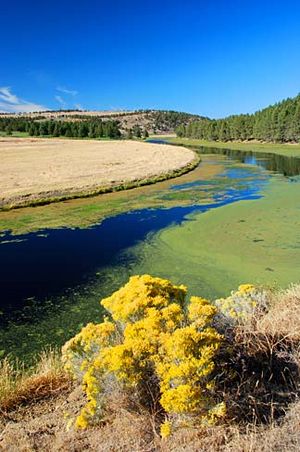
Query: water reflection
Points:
[288, 166]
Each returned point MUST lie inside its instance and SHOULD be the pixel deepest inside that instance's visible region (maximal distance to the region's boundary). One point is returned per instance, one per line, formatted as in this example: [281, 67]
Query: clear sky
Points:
[213, 57]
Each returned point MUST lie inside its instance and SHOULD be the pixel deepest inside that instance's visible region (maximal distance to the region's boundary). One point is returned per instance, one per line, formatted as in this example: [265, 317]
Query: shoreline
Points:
[105, 189]
[284, 149]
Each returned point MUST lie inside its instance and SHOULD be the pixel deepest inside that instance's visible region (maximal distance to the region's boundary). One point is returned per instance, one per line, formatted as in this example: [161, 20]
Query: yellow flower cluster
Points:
[165, 429]
[154, 336]
[132, 301]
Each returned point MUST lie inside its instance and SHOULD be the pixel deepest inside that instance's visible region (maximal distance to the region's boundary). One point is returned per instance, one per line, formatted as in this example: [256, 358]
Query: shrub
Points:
[156, 348]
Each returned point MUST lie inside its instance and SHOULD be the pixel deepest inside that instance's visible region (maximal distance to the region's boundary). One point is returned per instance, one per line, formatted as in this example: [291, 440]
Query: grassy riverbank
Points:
[56, 197]
[289, 150]
[14, 134]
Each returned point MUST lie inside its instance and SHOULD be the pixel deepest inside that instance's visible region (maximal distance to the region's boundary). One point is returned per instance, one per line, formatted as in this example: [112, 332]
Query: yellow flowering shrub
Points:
[155, 343]
[79, 351]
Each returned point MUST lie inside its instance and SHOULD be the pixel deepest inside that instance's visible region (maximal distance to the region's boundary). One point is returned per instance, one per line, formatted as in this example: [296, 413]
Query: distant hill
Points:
[152, 121]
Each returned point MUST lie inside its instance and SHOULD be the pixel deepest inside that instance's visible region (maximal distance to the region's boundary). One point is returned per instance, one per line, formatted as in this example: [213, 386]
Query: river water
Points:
[52, 280]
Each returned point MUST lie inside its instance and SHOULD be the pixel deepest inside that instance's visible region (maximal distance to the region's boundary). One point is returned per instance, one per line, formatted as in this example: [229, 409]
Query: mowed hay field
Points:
[36, 170]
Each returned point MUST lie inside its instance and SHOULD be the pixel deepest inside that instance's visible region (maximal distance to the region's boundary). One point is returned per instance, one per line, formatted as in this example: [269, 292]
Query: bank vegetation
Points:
[165, 373]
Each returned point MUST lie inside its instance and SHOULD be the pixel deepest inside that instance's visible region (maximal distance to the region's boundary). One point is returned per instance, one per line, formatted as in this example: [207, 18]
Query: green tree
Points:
[83, 130]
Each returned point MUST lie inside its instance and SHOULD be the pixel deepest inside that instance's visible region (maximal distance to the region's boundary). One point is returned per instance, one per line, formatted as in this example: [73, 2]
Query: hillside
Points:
[128, 122]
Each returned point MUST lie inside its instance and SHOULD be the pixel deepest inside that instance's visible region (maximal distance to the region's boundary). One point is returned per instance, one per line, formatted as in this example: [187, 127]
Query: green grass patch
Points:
[14, 134]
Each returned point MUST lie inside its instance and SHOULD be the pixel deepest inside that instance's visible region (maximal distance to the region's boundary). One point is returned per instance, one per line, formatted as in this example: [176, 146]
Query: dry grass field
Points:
[35, 170]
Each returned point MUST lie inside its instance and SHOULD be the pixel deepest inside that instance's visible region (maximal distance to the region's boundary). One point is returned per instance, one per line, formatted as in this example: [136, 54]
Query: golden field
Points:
[35, 170]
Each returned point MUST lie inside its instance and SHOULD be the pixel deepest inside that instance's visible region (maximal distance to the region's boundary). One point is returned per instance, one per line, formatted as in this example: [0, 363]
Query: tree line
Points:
[82, 129]
[276, 123]
[81, 125]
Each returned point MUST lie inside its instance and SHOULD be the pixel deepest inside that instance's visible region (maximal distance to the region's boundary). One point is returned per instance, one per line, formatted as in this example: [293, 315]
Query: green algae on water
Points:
[253, 241]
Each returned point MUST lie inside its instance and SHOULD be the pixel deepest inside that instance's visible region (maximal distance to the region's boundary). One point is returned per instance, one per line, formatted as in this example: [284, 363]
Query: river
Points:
[52, 279]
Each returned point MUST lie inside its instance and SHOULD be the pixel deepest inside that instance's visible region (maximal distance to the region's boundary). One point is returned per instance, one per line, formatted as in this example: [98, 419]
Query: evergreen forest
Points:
[277, 123]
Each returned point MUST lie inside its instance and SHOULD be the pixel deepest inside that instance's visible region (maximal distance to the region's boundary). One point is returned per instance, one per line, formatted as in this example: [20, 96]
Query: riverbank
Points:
[85, 212]
[41, 171]
[288, 150]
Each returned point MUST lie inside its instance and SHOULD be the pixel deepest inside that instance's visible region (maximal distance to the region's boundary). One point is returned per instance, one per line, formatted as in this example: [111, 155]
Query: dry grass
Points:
[39, 169]
[283, 317]
[258, 376]
[20, 386]
[283, 437]
[45, 429]
[258, 371]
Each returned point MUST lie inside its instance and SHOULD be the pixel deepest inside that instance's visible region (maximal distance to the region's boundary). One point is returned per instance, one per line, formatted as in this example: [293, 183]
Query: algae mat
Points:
[249, 241]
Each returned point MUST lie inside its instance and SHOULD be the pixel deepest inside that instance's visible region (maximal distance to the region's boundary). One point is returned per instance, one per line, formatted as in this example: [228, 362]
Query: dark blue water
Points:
[40, 265]
[156, 141]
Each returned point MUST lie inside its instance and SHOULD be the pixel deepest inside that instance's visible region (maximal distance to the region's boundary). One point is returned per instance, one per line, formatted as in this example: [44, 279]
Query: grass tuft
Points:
[20, 386]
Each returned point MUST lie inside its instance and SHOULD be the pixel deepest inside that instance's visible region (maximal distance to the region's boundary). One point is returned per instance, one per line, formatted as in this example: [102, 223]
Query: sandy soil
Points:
[33, 169]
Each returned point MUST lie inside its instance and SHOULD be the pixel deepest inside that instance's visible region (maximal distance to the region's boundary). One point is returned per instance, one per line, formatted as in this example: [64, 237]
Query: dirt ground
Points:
[48, 426]
[33, 168]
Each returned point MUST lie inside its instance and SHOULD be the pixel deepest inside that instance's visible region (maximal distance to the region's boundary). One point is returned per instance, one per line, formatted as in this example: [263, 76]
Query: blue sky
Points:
[214, 58]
